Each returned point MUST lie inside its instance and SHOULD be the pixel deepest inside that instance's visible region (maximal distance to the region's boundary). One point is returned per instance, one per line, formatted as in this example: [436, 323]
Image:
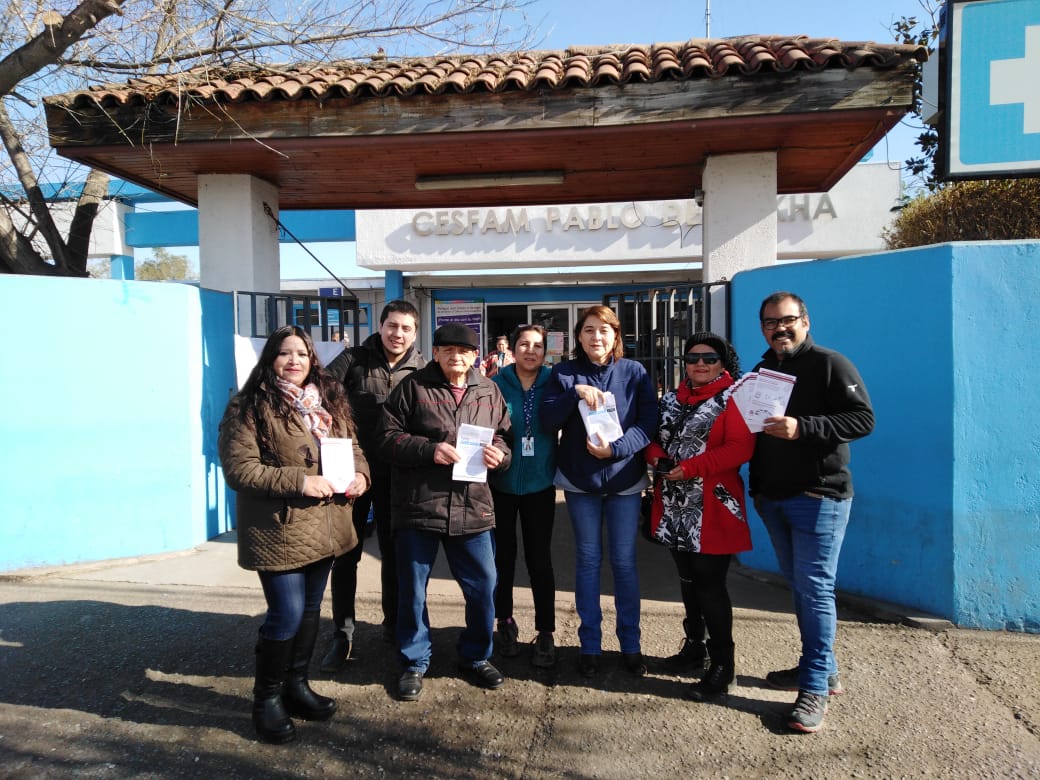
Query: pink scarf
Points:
[307, 401]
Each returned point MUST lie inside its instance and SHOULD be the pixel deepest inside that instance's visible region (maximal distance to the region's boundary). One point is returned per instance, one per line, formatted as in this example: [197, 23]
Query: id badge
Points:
[527, 446]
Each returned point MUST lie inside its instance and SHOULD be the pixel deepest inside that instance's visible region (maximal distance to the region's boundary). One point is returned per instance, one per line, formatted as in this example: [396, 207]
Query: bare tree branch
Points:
[17, 255]
[27, 177]
[58, 35]
[44, 52]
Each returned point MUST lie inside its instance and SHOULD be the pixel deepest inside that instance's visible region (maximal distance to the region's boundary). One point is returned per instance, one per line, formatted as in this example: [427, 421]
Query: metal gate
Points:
[656, 323]
[260, 314]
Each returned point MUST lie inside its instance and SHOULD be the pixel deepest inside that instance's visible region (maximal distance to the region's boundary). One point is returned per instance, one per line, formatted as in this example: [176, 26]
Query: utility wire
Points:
[269, 212]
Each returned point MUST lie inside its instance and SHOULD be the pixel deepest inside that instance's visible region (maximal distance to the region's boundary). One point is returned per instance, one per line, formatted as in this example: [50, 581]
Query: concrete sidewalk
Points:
[143, 668]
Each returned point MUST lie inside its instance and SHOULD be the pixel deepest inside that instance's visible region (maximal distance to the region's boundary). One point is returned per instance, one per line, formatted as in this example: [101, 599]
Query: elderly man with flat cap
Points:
[430, 509]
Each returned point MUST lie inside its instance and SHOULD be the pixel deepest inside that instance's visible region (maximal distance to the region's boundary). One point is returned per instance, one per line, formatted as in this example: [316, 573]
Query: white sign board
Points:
[845, 221]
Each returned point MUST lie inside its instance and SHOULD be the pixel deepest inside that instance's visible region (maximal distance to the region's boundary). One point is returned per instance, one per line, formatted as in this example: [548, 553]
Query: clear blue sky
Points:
[657, 21]
[564, 23]
[570, 23]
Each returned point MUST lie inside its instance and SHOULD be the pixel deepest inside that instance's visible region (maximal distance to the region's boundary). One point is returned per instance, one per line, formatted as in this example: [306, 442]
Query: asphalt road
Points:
[143, 669]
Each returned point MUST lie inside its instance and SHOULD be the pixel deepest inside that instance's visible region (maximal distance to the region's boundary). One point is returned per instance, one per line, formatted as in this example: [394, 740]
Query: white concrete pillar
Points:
[739, 220]
[238, 242]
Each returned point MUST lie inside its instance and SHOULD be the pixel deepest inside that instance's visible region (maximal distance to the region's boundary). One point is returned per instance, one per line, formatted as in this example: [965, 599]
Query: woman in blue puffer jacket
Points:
[603, 476]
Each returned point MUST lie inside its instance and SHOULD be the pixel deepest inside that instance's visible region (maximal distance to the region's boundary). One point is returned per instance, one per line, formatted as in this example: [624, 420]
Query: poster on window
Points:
[469, 313]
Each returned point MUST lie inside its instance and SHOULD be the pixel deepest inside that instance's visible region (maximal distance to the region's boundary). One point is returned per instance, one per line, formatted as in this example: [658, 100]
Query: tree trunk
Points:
[17, 255]
[95, 189]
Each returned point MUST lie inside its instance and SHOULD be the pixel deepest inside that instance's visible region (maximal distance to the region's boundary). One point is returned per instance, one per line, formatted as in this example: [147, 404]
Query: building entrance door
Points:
[558, 320]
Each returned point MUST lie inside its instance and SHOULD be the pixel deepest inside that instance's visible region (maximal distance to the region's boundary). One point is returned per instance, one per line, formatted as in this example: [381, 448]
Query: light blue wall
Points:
[946, 507]
[111, 393]
[996, 443]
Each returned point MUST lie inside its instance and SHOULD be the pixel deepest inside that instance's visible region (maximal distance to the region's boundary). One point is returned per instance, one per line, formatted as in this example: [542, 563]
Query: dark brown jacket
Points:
[369, 380]
[420, 413]
[278, 527]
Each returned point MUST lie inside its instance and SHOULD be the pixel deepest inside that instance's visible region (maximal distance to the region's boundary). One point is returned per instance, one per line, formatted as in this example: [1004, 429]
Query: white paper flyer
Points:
[761, 395]
[602, 424]
[470, 445]
[337, 462]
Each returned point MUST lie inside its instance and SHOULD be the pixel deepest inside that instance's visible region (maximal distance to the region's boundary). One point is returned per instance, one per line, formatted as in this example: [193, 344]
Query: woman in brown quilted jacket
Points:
[292, 518]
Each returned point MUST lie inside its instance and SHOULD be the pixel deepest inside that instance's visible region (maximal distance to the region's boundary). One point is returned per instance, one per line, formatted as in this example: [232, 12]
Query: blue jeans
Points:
[291, 593]
[807, 533]
[590, 512]
[471, 559]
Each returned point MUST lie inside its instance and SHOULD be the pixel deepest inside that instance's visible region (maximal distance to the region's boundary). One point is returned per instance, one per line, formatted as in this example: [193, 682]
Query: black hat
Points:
[730, 361]
[455, 334]
[716, 342]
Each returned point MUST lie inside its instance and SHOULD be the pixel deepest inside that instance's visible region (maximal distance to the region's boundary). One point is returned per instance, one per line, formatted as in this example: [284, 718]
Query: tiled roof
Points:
[518, 71]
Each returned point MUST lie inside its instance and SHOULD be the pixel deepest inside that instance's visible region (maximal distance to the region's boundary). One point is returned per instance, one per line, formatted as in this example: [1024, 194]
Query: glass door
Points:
[558, 321]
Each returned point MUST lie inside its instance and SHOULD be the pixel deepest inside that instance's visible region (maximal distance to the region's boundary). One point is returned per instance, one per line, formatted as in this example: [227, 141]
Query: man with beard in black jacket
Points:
[802, 488]
[369, 372]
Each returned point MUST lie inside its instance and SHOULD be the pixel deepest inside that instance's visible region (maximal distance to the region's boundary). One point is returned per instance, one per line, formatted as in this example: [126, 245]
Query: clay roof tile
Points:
[581, 66]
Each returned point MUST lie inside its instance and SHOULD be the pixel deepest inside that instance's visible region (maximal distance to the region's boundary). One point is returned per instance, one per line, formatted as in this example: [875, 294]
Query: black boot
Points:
[693, 653]
[270, 718]
[720, 677]
[300, 700]
[339, 652]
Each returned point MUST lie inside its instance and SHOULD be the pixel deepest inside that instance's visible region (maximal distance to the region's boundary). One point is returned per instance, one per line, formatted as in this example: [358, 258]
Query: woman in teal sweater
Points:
[526, 489]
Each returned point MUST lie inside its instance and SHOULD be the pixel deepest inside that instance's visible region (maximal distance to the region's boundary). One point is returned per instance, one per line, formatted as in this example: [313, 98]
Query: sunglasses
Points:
[709, 358]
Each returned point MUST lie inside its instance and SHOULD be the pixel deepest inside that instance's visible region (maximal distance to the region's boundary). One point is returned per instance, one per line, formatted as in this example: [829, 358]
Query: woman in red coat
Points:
[698, 511]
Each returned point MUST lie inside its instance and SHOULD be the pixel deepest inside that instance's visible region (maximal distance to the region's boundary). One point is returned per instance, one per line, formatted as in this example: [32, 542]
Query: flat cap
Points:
[455, 334]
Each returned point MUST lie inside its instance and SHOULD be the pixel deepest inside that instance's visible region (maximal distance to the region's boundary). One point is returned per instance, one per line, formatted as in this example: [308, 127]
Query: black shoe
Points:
[508, 638]
[692, 657]
[543, 654]
[339, 652]
[718, 682]
[588, 665]
[634, 663]
[483, 675]
[787, 680]
[409, 686]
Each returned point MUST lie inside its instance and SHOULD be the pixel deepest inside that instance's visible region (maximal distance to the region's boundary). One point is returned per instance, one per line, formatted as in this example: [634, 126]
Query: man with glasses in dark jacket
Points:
[802, 488]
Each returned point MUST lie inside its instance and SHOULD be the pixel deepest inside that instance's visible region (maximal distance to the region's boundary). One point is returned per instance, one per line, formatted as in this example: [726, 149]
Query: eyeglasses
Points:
[708, 358]
[771, 323]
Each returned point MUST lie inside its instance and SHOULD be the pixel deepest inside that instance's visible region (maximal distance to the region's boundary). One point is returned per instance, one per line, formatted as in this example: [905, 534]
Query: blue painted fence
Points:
[112, 392]
[110, 416]
[946, 516]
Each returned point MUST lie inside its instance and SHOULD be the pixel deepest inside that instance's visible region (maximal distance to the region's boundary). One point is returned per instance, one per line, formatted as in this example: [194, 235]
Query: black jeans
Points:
[702, 579]
[344, 570]
[536, 511]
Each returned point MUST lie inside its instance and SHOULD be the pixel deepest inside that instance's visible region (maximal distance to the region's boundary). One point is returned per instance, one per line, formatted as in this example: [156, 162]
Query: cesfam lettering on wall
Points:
[497, 236]
[670, 214]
